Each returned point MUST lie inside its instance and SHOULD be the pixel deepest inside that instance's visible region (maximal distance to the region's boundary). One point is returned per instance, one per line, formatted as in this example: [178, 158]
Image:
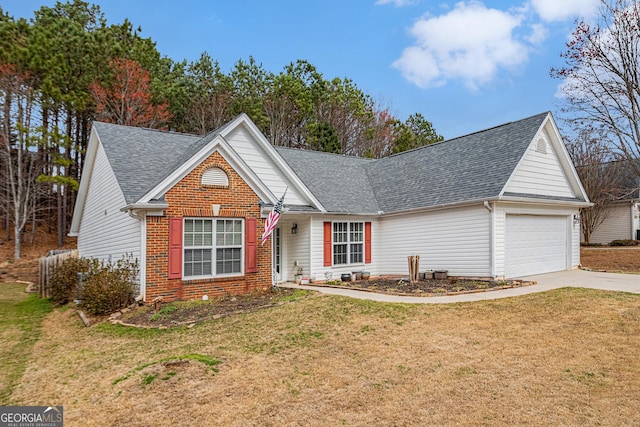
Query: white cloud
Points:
[560, 10]
[470, 43]
[539, 33]
[397, 3]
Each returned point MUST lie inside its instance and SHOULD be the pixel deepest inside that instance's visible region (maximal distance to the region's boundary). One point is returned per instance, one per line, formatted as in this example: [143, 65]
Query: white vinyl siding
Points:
[106, 233]
[295, 247]
[616, 225]
[457, 240]
[636, 221]
[244, 144]
[540, 173]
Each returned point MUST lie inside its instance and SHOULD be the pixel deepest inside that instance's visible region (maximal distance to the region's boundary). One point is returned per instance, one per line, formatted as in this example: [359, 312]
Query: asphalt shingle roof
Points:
[140, 157]
[340, 183]
[466, 168]
[471, 167]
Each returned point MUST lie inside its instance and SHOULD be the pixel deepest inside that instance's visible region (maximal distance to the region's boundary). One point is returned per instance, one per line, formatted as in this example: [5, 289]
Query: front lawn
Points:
[606, 258]
[21, 316]
[566, 357]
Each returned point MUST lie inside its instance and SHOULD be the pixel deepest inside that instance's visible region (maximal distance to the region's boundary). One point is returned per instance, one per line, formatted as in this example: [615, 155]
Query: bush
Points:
[64, 279]
[109, 287]
[627, 242]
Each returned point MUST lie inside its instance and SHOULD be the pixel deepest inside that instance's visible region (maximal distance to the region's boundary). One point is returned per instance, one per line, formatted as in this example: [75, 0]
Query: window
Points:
[356, 237]
[348, 243]
[209, 252]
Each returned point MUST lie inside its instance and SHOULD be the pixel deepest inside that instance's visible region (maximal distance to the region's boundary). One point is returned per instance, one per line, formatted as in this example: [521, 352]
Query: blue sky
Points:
[464, 65]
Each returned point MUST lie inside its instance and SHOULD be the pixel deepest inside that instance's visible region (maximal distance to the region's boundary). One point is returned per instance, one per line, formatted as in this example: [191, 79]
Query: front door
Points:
[277, 254]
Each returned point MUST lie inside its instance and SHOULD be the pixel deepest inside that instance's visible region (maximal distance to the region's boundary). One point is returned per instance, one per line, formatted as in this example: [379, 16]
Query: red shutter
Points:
[367, 243]
[175, 248]
[327, 244]
[250, 245]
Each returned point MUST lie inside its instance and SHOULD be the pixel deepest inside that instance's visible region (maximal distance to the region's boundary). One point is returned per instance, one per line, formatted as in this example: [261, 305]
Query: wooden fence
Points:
[47, 264]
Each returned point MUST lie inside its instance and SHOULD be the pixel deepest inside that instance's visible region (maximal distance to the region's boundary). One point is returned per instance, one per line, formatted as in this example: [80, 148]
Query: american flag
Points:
[272, 219]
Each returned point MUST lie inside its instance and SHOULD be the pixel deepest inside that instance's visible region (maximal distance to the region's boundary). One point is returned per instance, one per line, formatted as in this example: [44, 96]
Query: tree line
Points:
[67, 67]
[601, 106]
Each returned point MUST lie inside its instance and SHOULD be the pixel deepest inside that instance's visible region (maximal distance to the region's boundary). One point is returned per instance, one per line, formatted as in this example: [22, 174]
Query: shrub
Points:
[109, 287]
[64, 279]
[627, 242]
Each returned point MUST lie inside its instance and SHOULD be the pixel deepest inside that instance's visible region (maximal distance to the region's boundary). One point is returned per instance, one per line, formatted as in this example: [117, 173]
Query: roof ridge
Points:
[465, 135]
[306, 150]
[173, 132]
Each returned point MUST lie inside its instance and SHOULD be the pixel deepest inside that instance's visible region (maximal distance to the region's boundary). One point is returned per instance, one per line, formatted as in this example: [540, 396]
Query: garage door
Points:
[535, 244]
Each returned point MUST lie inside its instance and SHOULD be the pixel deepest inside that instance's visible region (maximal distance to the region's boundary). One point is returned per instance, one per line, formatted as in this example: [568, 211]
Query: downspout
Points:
[141, 215]
[310, 231]
[143, 258]
[492, 238]
[633, 220]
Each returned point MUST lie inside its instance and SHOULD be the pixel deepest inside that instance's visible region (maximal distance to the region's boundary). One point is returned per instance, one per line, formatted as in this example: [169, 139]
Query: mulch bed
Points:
[192, 312]
[168, 315]
[426, 287]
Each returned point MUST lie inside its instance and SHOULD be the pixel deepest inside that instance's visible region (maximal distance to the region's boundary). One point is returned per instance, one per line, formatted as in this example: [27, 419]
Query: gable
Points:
[104, 231]
[191, 196]
[263, 160]
[216, 145]
[545, 169]
[259, 162]
[540, 172]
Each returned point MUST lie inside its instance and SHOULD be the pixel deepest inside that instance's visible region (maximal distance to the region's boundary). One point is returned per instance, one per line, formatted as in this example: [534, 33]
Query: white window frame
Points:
[349, 242]
[213, 247]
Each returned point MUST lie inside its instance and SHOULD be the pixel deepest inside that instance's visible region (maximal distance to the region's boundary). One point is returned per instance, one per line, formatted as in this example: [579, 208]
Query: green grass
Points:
[164, 312]
[208, 361]
[296, 294]
[21, 317]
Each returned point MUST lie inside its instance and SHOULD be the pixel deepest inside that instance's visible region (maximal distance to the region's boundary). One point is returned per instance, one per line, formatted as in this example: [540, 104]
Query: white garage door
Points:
[535, 244]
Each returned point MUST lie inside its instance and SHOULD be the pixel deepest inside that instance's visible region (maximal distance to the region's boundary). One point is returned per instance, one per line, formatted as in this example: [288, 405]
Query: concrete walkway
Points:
[574, 278]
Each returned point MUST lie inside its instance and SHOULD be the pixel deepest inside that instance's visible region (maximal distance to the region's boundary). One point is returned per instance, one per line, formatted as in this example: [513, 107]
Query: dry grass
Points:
[567, 357]
[611, 259]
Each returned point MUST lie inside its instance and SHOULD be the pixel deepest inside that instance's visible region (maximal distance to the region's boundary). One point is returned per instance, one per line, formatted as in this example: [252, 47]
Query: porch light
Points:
[576, 219]
[294, 228]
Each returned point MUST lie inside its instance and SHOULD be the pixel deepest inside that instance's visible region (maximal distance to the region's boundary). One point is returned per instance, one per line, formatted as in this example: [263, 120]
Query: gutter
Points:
[438, 207]
[578, 204]
[140, 210]
[157, 205]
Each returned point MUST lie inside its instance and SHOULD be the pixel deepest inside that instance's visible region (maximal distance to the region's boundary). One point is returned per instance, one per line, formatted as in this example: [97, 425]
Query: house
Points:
[622, 217]
[622, 222]
[502, 202]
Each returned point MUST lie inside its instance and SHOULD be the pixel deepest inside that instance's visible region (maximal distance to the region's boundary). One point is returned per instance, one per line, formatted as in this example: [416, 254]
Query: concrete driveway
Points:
[561, 279]
[590, 279]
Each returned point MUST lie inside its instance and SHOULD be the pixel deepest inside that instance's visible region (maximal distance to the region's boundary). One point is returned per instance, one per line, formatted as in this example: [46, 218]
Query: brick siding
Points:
[189, 198]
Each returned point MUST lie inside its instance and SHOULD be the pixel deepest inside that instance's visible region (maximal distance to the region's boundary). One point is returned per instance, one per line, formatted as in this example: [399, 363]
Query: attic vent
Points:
[215, 176]
[541, 146]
